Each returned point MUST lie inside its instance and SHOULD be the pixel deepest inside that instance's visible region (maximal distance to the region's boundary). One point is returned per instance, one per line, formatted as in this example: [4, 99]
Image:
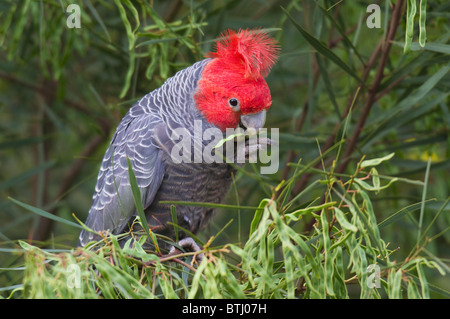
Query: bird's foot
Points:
[252, 149]
[189, 245]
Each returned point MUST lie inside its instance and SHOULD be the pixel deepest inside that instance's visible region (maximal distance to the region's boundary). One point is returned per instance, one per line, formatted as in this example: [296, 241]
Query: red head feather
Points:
[253, 49]
[237, 71]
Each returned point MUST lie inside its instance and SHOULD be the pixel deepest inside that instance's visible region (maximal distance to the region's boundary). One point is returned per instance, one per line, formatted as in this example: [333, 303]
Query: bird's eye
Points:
[234, 104]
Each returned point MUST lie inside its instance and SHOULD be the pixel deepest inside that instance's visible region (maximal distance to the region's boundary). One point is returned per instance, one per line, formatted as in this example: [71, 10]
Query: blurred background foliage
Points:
[63, 91]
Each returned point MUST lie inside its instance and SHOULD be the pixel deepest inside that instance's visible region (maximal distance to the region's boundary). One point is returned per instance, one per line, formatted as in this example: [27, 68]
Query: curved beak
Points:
[255, 121]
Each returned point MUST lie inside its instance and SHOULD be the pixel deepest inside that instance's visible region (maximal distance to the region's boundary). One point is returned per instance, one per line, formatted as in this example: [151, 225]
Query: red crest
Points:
[254, 49]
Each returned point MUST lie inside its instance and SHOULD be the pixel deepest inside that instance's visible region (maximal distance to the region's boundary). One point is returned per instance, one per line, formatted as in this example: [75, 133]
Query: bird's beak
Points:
[255, 121]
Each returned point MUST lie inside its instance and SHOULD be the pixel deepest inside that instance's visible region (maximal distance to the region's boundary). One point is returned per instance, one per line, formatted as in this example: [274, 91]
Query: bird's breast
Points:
[189, 182]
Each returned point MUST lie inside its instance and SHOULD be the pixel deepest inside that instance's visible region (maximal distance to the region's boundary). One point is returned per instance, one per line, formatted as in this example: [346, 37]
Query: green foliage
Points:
[275, 262]
[363, 182]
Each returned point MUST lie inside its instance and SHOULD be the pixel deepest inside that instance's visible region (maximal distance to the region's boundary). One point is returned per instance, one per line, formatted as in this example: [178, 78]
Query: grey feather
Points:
[143, 136]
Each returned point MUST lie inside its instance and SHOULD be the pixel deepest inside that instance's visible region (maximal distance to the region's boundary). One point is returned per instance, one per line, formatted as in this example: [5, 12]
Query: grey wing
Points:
[113, 204]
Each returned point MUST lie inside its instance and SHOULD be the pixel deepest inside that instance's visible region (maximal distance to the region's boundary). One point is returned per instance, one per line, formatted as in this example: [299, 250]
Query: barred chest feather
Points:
[189, 182]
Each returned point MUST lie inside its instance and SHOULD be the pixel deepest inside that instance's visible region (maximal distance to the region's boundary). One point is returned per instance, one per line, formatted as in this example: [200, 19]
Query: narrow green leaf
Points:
[343, 221]
[129, 74]
[424, 194]
[45, 214]
[204, 204]
[441, 209]
[376, 161]
[138, 203]
[322, 49]
[228, 138]
[328, 86]
[26, 246]
[123, 15]
[423, 280]
[257, 217]
[429, 46]
[296, 215]
[155, 41]
[98, 18]
[396, 284]
[406, 110]
[413, 292]
[131, 41]
[173, 212]
[422, 22]
[374, 188]
[154, 54]
[15, 144]
[399, 214]
[345, 38]
[328, 267]
[375, 178]
[371, 219]
[26, 175]
[134, 12]
[410, 14]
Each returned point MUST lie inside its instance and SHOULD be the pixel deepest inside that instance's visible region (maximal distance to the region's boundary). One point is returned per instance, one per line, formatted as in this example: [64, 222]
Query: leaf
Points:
[203, 204]
[25, 245]
[322, 48]
[138, 202]
[98, 18]
[375, 178]
[131, 41]
[423, 22]
[345, 38]
[343, 221]
[15, 144]
[413, 292]
[155, 41]
[424, 194]
[296, 215]
[423, 280]
[406, 110]
[173, 212]
[377, 161]
[257, 217]
[410, 14]
[129, 75]
[399, 214]
[429, 46]
[229, 138]
[26, 175]
[374, 188]
[440, 210]
[328, 86]
[45, 214]
[395, 284]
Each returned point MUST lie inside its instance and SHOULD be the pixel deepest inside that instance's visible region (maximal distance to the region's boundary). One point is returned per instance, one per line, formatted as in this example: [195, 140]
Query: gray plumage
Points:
[143, 136]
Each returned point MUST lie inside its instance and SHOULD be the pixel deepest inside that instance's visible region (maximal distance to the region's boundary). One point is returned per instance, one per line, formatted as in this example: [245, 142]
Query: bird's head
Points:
[232, 89]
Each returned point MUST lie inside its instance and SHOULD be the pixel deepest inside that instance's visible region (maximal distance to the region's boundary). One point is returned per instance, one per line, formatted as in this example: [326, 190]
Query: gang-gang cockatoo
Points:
[225, 90]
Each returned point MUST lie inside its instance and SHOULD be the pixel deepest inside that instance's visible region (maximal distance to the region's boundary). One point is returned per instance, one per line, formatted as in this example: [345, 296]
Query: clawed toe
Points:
[188, 244]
